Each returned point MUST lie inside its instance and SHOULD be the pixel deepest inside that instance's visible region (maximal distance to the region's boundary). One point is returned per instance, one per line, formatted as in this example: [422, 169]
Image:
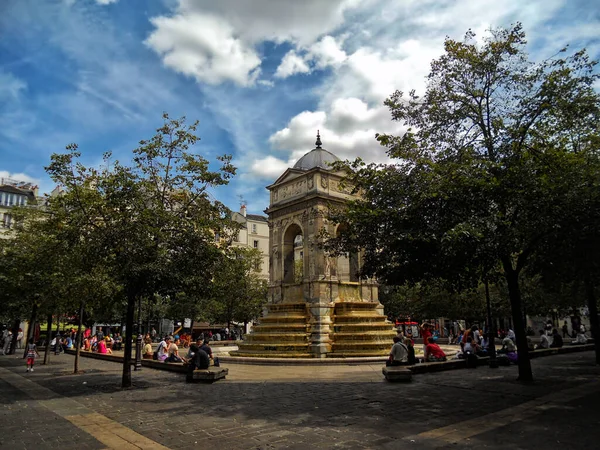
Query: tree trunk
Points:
[78, 341]
[512, 278]
[126, 380]
[31, 330]
[493, 363]
[593, 309]
[13, 345]
[48, 340]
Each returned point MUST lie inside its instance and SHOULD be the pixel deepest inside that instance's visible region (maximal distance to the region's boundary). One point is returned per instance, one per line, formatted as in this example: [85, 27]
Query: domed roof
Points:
[317, 157]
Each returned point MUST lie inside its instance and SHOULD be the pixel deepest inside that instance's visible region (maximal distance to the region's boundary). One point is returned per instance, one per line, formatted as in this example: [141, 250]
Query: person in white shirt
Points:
[544, 341]
[398, 354]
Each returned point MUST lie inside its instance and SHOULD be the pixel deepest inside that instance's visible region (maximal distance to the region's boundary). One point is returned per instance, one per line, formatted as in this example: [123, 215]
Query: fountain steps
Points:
[357, 329]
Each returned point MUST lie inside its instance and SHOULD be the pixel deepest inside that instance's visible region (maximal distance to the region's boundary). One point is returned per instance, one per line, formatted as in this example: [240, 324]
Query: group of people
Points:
[168, 350]
[403, 351]
[7, 338]
[102, 343]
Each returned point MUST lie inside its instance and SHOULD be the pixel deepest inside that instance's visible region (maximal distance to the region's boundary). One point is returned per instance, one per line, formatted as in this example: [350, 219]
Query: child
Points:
[31, 353]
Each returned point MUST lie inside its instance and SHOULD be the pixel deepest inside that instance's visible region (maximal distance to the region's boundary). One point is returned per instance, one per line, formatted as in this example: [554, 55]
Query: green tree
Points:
[487, 164]
[238, 291]
[152, 222]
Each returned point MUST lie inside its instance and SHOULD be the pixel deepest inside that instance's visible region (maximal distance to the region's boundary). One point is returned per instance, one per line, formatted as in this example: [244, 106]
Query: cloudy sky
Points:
[261, 76]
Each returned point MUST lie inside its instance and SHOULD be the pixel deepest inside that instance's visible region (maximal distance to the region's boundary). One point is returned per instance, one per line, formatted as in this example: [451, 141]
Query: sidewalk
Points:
[262, 407]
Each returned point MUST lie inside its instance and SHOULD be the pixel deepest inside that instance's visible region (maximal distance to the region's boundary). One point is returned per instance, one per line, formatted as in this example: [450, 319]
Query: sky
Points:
[261, 76]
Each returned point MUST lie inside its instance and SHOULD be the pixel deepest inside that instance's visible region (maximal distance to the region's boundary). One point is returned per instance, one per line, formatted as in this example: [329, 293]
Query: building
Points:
[254, 234]
[14, 193]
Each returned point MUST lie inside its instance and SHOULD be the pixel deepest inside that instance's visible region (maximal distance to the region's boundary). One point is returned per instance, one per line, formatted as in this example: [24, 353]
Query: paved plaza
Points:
[300, 407]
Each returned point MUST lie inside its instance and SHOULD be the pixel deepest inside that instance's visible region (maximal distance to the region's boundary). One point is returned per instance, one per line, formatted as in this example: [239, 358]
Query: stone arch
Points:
[348, 263]
[293, 254]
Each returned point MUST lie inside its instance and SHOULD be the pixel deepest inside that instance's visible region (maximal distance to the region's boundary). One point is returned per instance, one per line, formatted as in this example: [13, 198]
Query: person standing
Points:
[557, 340]
[565, 329]
[7, 342]
[31, 354]
[425, 334]
[19, 338]
[153, 334]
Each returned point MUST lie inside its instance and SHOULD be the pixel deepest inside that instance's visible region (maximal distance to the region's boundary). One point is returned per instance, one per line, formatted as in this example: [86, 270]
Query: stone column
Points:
[320, 327]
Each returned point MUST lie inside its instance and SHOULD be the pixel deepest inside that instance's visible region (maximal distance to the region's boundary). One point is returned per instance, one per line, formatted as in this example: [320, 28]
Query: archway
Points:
[293, 255]
[348, 263]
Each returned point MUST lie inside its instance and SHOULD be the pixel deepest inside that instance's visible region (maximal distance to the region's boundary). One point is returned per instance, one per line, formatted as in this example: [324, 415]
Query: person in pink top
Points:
[103, 349]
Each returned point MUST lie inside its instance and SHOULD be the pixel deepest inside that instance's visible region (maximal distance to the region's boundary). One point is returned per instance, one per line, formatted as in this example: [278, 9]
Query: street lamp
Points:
[138, 342]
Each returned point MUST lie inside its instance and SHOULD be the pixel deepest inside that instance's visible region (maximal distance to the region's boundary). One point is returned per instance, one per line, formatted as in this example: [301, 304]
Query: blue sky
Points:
[261, 76]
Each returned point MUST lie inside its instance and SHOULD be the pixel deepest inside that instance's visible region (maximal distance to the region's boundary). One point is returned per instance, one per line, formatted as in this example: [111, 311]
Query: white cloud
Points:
[10, 86]
[106, 2]
[291, 64]
[269, 167]
[390, 48]
[215, 41]
[326, 52]
[19, 177]
[205, 48]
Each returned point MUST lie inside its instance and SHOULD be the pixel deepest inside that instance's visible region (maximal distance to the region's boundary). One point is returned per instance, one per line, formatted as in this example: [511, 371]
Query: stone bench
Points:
[210, 375]
[397, 373]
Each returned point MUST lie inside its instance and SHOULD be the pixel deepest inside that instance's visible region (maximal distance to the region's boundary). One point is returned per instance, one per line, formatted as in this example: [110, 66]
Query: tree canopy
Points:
[487, 168]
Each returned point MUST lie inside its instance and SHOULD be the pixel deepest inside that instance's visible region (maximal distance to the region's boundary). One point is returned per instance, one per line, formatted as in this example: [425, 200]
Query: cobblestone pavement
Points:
[299, 407]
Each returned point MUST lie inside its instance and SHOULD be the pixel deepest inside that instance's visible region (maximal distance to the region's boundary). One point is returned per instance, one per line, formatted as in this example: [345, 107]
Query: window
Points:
[255, 244]
[257, 266]
[6, 222]
[254, 228]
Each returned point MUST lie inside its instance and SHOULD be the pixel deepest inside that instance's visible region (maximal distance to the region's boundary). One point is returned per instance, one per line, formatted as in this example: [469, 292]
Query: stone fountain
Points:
[318, 306]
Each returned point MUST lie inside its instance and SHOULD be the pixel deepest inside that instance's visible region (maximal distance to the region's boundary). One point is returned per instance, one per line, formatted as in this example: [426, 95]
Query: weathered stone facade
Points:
[304, 316]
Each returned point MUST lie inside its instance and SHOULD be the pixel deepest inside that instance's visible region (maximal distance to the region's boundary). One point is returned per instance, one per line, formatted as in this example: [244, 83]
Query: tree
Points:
[486, 168]
[152, 223]
[238, 292]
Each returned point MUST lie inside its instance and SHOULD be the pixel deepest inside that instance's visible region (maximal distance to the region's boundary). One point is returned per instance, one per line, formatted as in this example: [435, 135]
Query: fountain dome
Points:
[317, 157]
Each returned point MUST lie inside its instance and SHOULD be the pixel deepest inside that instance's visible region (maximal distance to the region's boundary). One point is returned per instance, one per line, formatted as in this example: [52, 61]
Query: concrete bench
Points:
[397, 373]
[210, 375]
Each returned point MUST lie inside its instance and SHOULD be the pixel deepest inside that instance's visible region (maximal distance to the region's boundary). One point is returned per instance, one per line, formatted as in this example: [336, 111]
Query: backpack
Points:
[155, 354]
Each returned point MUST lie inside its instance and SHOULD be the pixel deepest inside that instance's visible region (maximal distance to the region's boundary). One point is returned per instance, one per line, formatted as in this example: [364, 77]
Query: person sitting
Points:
[173, 354]
[433, 352]
[544, 342]
[103, 349]
[87, 346]
[163, 349]
[198, 361]
[580, 339]
[557, 340]
[398, 354]
[206, 347]
[411, 360]
[118, 342]
[147, 352]
[67, 343]
[508, 345]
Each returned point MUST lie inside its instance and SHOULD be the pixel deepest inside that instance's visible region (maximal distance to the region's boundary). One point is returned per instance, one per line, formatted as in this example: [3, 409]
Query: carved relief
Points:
[324, 182]
[311, 182]
[275, 195]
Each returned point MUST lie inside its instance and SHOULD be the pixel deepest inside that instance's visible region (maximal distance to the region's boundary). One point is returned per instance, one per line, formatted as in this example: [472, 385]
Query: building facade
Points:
[254, 234]
[14, 193]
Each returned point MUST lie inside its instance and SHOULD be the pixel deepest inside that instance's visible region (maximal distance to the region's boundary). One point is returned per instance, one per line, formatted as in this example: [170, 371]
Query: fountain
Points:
[318, 306]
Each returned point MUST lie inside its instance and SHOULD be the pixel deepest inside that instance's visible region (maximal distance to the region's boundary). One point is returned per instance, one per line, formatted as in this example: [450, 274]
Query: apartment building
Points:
[254, 234]
[14, 193]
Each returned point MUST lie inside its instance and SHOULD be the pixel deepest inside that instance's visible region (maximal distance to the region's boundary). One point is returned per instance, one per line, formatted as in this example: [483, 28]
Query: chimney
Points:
[243, 210]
